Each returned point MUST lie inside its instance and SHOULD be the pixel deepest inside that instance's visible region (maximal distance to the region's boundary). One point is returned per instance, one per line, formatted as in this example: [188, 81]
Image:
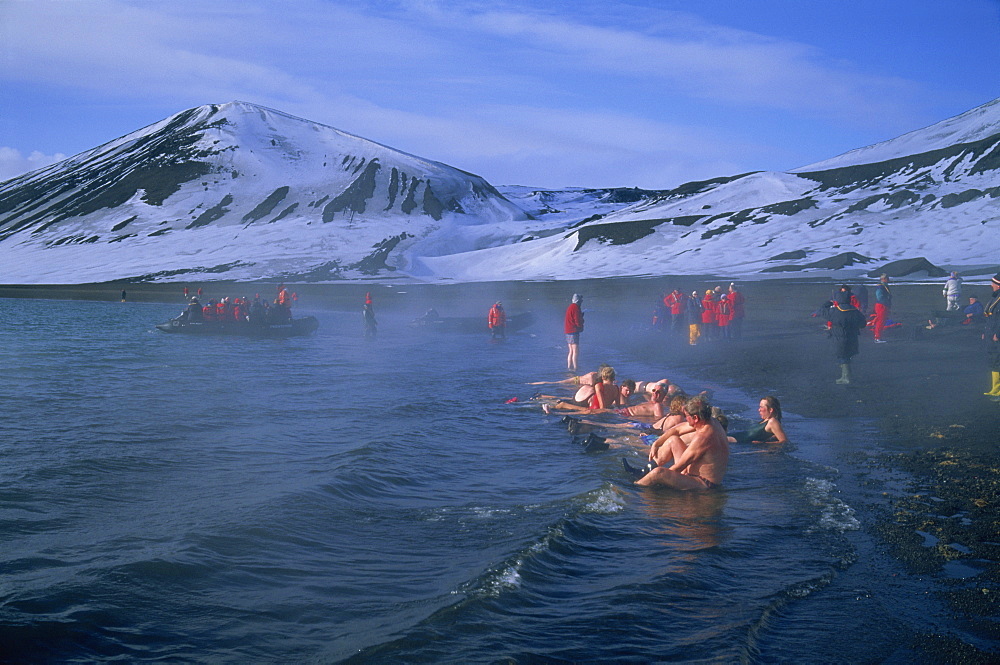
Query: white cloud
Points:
[515, 94]
[13, 163]
[704, 61]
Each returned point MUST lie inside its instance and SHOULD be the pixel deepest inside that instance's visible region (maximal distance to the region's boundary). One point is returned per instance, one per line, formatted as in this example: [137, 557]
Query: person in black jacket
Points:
[846, 324]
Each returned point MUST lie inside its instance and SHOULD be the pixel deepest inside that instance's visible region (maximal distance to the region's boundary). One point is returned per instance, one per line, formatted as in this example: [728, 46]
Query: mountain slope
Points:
[941, 202]
[240, 191]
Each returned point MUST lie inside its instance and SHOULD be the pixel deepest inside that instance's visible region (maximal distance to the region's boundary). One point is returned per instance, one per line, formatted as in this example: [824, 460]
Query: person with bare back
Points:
[699, 463]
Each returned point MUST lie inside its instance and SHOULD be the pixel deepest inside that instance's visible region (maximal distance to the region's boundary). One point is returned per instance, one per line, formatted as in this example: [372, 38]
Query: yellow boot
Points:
[995, 391]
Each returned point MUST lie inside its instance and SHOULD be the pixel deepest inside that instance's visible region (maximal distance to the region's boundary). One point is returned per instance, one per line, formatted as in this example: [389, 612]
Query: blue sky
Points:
[547, 94]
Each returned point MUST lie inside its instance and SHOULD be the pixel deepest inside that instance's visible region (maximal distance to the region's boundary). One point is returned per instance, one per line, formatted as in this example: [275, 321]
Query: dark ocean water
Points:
[226, 500]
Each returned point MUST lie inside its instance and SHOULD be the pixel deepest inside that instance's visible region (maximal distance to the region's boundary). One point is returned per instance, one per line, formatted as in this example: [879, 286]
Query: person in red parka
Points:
[497, 320]
[724, 315]
[676, 302]
[737, 301]
[573, 326]
[709, 316]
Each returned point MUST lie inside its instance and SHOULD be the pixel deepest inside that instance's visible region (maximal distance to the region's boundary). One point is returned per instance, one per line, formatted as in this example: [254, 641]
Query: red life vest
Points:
[708, 313]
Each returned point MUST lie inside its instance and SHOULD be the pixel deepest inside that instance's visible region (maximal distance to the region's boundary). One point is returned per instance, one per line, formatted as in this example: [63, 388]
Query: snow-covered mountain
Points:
[239, 191]
[932, 194]
[242, 192]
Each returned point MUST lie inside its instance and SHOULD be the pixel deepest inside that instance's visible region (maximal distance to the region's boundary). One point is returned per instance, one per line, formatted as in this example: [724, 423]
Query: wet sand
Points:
[923, 390]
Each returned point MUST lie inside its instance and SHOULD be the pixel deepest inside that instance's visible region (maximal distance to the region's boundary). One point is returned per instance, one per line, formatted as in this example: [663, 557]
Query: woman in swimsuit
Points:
[597, 398]
[769, 429]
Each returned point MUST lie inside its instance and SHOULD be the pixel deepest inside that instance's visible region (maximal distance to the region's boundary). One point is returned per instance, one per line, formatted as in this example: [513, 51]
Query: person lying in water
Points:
[671, 418]
[604, 395]
[769, 429]
[654, 408]
[700, 462]
[587, 381]
[584, 393]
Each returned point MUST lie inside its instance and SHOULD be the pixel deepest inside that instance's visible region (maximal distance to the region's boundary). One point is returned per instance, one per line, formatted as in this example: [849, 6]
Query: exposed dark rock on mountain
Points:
[905, 267]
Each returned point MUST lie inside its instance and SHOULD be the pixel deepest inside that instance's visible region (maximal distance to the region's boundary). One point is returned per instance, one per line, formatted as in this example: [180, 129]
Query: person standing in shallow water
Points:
[991, 334]
[497, 321]
[846, 324]
[573, 326]
[368, 312]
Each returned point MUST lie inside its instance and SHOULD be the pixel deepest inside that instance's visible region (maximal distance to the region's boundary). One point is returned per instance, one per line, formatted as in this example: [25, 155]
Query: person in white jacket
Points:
[953, 292]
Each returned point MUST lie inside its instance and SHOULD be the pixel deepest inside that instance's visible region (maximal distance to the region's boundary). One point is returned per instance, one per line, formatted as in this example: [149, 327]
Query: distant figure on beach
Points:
[701, 463]
[692, 313]
[676, 301]
[661, 314]
[123, 295]
[861, 293]
[497, 321]
[883, 305]
[724, 316]
[973, 313]
[846, 324]
[769, 429]
[368, 314]
[952, 292]
[991, 334]
[737, 301]
[573, 326]
[708, 315]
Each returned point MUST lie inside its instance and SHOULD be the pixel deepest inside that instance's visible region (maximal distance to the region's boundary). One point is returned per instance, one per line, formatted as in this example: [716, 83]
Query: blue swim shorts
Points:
[573, 338]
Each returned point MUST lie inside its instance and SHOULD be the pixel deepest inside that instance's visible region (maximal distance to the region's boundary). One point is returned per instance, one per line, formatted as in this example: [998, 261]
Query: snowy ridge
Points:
[980, 123]
[238, 191]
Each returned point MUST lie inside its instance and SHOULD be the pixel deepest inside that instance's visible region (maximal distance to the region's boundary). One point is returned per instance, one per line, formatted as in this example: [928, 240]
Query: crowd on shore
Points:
[717, 314]
[688, 439]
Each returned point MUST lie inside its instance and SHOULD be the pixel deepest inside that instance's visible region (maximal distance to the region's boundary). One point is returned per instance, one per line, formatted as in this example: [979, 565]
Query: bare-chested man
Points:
[700, 461]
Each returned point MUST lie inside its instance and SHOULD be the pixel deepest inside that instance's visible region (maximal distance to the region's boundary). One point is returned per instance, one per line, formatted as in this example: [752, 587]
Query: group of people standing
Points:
[846, 320]
[717, 314]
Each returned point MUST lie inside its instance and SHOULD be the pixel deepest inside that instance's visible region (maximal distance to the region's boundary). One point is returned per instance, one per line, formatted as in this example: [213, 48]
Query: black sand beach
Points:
[923, 392]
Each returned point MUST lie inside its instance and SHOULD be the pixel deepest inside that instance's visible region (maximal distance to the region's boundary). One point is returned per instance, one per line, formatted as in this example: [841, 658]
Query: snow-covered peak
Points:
[980, 123]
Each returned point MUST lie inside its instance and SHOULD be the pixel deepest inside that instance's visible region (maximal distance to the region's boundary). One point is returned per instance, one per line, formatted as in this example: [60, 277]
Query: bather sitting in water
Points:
[769, 429]
[700, 462]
